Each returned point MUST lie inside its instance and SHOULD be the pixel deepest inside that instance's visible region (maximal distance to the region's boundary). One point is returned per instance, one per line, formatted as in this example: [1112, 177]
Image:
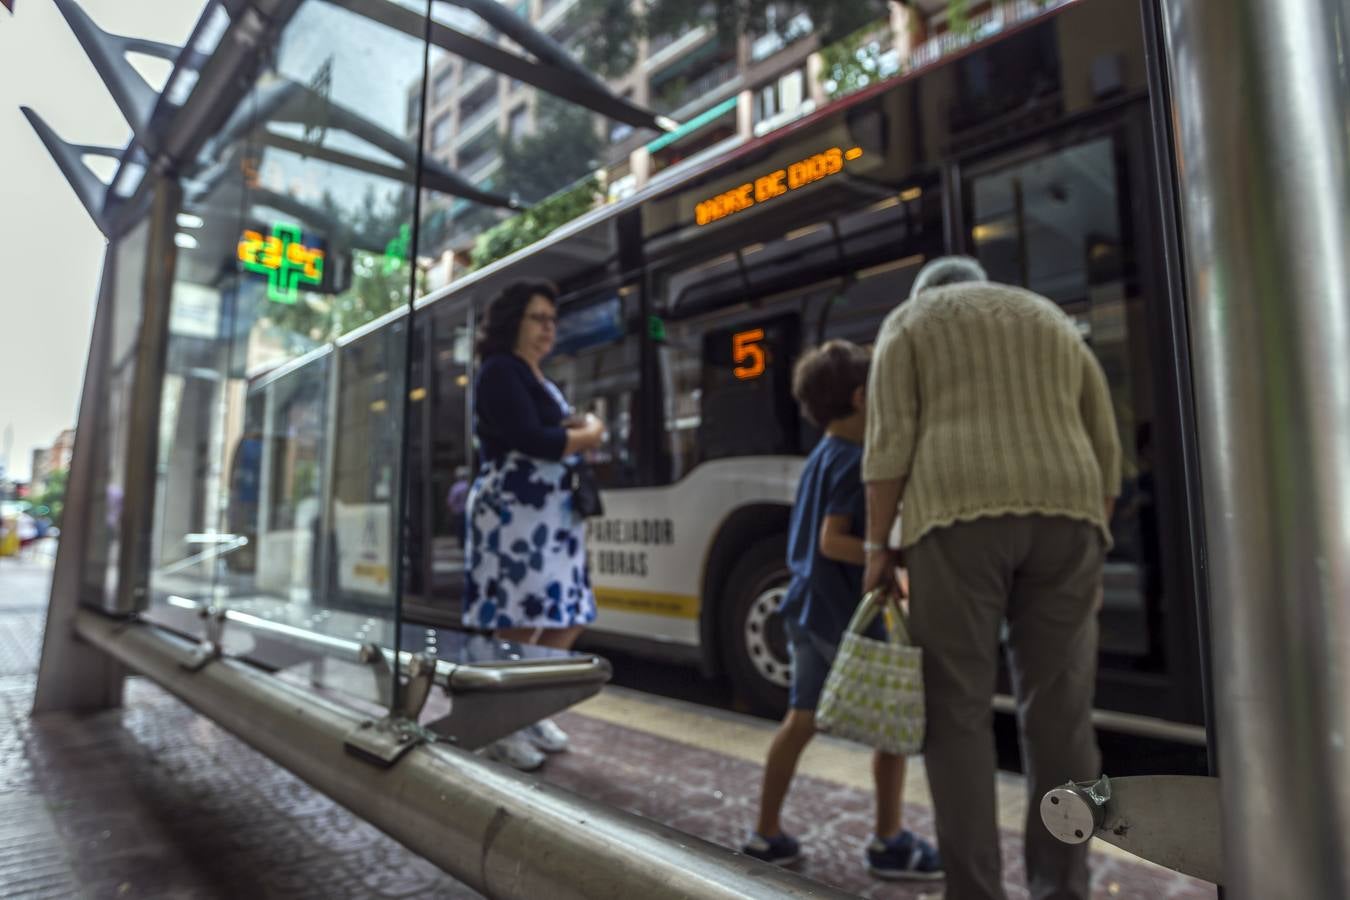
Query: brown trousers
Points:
[1041, 574]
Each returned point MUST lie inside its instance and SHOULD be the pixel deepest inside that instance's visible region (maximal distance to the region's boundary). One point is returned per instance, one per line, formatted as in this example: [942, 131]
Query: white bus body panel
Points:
[649, 551]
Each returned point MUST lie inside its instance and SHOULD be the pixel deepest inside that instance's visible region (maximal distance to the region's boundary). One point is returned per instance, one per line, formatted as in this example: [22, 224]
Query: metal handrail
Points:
[185, 618]
[229, 546]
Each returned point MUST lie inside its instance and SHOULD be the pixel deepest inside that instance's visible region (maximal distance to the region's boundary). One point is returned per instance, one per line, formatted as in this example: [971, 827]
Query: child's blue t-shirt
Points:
[824, 593]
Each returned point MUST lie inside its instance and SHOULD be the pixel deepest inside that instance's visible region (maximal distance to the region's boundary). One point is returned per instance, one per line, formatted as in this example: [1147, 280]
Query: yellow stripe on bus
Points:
[678, 606]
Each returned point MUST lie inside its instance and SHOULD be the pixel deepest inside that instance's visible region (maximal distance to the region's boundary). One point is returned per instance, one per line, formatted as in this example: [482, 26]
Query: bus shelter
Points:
[276, 419]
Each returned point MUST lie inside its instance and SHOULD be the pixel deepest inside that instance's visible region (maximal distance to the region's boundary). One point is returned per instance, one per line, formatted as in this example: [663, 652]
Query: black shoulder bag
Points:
[586, 500]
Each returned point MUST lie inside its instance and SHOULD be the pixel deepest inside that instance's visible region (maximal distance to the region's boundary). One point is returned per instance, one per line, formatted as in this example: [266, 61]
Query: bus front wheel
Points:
[753, 643]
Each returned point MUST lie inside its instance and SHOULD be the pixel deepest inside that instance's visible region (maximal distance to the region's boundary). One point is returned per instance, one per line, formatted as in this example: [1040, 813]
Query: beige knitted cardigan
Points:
[986, 401]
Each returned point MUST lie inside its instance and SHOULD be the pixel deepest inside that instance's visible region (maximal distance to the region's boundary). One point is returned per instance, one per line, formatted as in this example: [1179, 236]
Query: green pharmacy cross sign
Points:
[284, 258]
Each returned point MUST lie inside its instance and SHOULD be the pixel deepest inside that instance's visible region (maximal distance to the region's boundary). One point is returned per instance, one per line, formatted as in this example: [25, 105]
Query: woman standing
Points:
[527, 577]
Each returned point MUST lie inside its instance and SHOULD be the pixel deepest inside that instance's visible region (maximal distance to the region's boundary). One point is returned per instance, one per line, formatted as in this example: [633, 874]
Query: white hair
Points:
[948, 270]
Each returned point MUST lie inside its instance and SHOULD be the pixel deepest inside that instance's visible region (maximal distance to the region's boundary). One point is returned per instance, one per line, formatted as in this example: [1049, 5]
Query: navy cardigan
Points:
[514, 411]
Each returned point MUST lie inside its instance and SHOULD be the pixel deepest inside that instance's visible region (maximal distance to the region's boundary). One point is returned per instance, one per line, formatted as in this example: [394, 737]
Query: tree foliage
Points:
[53, 495]
[610, 45]
[562, 148]
[853, 62]
[522, 230]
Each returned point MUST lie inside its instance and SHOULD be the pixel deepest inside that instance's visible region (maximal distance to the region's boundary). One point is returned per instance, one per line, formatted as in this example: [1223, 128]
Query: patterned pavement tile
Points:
[714, 796]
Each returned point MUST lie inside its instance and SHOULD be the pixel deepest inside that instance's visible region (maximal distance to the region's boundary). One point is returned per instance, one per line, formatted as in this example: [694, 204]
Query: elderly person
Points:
[991, 420]
[527, 578]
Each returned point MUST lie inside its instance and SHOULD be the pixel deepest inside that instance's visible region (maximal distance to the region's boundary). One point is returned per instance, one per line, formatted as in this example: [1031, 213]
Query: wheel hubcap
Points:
[765, 642]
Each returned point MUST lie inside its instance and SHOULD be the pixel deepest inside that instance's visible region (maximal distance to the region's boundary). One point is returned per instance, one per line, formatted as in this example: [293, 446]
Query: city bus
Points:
[685, 305]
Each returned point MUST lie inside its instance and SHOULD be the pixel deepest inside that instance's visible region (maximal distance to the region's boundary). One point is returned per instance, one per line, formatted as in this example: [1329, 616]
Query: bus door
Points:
[1068, 216]
[441, 464]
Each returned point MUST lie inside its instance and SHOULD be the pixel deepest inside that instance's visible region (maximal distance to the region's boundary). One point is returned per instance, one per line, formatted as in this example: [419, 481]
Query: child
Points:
[825, 554]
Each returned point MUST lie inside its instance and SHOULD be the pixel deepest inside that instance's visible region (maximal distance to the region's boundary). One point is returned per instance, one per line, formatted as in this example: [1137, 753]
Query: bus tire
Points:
[754, 648]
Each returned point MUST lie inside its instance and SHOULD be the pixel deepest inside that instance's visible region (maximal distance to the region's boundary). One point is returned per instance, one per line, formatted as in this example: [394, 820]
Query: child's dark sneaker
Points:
[905, 856]
[782, 850]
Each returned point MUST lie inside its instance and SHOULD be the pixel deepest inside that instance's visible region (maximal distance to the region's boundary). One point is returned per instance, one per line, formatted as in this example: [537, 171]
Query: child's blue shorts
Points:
[811, 658]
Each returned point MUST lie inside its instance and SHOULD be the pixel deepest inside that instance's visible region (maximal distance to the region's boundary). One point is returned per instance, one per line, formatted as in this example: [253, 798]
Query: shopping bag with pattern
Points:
[874, 692]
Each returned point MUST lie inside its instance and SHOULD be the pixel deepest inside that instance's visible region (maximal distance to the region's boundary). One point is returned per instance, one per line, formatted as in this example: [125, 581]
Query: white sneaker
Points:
[547, 736]
[516, 751]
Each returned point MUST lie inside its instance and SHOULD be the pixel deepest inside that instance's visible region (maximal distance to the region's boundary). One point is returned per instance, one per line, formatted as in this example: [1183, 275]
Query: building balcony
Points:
[666, 48]
[478, 122]
[482, 167]
[476, 155]
[672, 98]
[984, 25]
[475, 78]
[554, 13]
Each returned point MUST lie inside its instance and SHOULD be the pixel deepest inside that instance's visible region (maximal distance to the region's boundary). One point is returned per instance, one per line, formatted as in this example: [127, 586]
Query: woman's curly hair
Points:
[501, 322]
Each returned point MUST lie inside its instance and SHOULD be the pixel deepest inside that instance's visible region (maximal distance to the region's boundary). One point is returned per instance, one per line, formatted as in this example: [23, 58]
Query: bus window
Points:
[297, 448]
[439, 473]
[890, 241]
[711, 283]
[1056, 223]
[856, 313]
[596, 364]
[904, 225]
[365, 470]
[451, 463]
[241, 504]
[780, 264]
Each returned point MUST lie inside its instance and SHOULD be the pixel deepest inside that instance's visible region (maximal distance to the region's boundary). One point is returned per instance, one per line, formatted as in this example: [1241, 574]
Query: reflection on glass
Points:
[595, 364]
[281, 416]
[129, 261]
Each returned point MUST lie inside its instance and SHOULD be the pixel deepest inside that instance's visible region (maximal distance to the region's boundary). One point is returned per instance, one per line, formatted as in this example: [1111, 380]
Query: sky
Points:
[50, 252]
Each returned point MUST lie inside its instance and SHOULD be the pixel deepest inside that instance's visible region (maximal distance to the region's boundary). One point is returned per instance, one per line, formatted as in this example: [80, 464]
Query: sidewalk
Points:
[153, 800]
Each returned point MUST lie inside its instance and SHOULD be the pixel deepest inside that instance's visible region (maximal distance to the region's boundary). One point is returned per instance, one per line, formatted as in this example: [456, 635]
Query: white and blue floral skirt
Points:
[526, 549]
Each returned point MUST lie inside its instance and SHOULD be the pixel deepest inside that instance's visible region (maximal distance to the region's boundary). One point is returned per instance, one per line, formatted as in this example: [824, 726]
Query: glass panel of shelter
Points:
[1056, 223]
[289, 454]
[125, 298]
[208, 491]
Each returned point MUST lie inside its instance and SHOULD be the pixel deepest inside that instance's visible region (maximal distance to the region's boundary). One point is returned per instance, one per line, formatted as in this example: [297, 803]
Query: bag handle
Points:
[873, 603]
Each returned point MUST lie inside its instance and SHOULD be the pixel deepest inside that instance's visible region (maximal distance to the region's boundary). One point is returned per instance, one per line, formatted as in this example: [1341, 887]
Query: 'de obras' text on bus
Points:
[775, 184]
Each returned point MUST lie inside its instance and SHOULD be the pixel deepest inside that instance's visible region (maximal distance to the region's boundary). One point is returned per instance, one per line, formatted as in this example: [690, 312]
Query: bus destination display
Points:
[775, 184]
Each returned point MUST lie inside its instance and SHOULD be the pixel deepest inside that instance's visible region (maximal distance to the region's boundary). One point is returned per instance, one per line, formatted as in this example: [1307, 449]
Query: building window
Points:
[781, 30]
[781, 100]
[477, 156]
[440, 132]
[440, 88]
[471, 71]
[414, 112]
[519, 123]
[663, 40]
